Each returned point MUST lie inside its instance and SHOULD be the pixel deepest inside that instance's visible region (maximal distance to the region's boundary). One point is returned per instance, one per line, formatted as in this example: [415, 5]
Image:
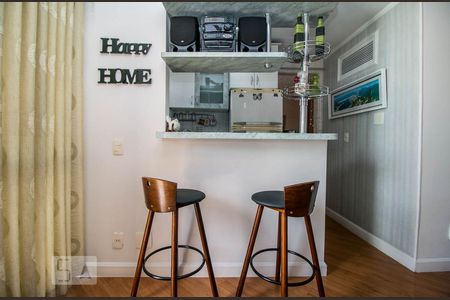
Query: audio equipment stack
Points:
[220, 34]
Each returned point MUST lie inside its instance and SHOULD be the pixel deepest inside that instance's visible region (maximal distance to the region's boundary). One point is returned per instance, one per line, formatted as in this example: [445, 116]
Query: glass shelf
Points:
[298, 91]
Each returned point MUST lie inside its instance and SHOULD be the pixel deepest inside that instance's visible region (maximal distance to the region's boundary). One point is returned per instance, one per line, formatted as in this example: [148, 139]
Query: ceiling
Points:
[343, 21]
[282, 14]
[348, 17]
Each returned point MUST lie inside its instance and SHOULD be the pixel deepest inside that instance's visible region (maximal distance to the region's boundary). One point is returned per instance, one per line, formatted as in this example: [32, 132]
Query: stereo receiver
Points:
[218, 34]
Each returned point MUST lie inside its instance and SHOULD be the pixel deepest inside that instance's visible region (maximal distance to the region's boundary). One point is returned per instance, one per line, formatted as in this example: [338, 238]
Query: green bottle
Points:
[299, 39]
[320, 36]
[314, 86]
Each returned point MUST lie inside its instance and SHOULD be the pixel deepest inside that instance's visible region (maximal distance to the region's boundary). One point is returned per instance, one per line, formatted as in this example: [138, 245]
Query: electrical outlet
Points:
[117, 240]
[139, 237]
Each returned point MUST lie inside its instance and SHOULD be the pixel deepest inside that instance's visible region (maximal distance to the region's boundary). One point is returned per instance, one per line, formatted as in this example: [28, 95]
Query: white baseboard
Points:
[433, 265]
[126, 269]
[396, 254]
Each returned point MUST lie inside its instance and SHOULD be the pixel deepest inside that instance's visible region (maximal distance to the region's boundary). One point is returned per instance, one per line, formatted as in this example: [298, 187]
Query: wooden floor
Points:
[354, 269]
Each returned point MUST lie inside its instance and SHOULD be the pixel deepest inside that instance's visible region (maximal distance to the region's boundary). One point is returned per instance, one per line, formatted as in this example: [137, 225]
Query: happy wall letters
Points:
[124, 76]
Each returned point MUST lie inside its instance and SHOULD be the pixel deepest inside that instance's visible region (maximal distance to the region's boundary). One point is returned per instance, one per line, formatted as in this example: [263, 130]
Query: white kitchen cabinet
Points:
[266, 80]
[242, 80]
[181, 89]
[254, 80]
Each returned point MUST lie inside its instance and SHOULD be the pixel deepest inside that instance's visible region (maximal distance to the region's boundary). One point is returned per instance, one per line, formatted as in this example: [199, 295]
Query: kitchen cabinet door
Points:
[266, 80]
[254, 80]
[181, 89]
[242, 80]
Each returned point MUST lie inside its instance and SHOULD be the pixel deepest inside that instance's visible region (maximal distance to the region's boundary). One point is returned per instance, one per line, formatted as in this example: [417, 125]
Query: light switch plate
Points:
[117, 147]
[378, 118]
[346, 137]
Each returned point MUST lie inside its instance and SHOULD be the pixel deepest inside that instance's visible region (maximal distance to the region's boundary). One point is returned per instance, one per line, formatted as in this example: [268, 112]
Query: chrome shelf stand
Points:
[305, 53]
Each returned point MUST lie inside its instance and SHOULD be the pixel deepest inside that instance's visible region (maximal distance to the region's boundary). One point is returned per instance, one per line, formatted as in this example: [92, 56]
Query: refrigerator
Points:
[256, 110]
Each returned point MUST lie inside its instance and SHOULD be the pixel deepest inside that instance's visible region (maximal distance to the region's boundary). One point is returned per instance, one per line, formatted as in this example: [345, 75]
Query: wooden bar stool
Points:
[162, 196]
[296, 201]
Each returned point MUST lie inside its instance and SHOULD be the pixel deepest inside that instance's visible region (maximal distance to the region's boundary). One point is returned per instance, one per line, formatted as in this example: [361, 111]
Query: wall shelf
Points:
[221, 62]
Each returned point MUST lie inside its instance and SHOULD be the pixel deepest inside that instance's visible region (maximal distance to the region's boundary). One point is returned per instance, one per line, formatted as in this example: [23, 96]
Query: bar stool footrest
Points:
[268, 279]
[167, 278]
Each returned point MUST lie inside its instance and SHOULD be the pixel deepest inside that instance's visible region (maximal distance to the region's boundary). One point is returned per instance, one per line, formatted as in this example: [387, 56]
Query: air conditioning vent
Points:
[358, 58]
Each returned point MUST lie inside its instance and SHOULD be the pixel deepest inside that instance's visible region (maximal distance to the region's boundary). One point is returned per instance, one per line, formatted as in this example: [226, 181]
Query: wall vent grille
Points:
[358, 58]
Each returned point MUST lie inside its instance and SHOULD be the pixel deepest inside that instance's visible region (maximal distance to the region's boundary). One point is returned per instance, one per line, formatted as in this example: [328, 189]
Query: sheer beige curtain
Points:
[41, 179]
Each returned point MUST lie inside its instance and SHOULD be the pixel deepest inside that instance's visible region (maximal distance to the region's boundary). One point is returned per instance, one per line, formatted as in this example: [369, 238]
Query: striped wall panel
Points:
[372, 180]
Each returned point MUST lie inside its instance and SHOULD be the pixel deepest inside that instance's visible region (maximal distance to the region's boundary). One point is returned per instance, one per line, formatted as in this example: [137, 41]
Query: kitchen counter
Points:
[247, 136]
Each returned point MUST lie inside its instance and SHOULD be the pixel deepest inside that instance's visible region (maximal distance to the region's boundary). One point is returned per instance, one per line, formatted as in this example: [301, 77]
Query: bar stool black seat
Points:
[295, 201]
[272, 199]
[162, 196]
[187, 197]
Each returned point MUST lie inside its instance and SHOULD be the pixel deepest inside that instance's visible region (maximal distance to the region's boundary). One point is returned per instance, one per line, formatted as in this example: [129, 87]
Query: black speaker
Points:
[184, 34]
[252, 34]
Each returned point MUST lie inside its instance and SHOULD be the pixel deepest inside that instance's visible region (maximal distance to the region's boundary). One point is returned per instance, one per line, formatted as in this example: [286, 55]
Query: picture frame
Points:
[365, 94]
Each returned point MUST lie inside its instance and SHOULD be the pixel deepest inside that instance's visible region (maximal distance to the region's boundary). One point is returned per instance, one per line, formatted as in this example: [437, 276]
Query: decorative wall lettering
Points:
[139, 76]
[112, 45]
[124, 76]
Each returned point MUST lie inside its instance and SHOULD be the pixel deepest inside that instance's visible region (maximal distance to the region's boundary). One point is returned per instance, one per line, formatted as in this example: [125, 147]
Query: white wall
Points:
[434, 242]
[113, 194]
[227, 171]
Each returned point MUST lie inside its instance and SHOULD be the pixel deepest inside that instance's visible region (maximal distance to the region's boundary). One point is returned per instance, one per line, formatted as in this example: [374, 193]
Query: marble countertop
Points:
[247, 136]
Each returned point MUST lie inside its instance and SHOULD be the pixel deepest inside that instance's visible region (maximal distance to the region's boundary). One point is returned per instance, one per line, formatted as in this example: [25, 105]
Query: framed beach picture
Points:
[365, 94]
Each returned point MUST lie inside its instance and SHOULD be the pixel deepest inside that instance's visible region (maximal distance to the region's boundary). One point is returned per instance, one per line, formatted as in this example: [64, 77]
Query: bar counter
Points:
[229, 167]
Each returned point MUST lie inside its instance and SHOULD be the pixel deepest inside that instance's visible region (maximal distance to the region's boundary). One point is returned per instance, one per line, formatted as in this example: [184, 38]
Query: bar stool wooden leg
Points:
[251, 244]
[284, 255]
[174, 253]
[201, 228]
[277, 266]
[137, 274]
[312, 246]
